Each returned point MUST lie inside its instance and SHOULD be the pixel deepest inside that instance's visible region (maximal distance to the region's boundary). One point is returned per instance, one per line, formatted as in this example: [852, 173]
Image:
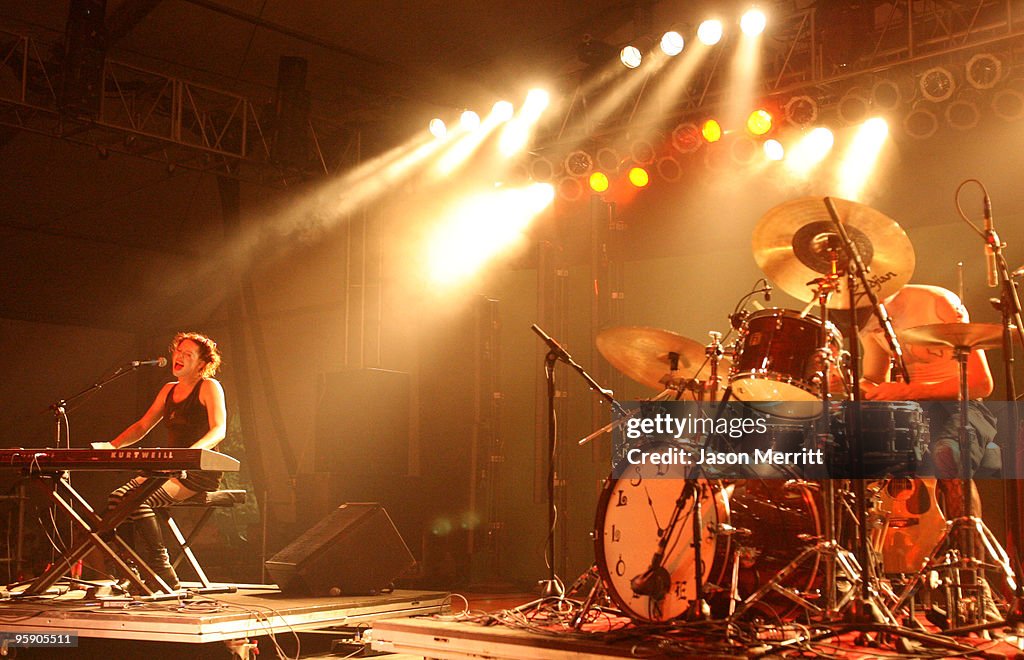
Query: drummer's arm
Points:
[979, 384]
[874, 367]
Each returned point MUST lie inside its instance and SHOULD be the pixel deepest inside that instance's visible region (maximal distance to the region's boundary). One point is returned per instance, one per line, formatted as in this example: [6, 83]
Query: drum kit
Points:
[691, 546]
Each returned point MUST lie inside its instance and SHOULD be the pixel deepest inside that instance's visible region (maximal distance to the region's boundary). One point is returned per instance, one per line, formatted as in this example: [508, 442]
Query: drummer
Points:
[934, 379]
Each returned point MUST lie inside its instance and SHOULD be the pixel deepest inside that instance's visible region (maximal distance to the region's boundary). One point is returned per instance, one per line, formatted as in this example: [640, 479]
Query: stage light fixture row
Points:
[501, 112]
[709, 32]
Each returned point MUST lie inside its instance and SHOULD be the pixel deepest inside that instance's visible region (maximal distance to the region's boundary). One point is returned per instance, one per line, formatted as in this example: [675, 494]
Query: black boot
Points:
[149, 543]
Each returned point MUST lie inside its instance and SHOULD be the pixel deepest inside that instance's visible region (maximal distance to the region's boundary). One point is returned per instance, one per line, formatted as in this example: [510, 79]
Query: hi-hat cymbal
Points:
[793, 243]
[648, 355]
[953, 335]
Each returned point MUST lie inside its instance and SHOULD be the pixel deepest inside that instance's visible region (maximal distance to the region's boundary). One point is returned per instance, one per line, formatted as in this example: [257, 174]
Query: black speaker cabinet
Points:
[354, 551]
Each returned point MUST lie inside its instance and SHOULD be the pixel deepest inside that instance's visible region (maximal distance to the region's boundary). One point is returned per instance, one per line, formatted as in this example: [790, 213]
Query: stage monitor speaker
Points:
[354, 551]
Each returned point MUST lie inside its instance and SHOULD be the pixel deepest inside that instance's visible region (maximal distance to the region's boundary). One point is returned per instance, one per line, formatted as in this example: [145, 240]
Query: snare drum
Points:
[778, 360]
[893, 438]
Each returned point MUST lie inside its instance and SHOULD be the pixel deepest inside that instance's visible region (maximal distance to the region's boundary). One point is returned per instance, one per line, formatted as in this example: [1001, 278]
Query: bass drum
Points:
[751, 530]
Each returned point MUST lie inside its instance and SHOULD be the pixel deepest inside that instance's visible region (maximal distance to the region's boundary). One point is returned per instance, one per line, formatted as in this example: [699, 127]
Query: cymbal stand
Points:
[837, 559]
[963, 536]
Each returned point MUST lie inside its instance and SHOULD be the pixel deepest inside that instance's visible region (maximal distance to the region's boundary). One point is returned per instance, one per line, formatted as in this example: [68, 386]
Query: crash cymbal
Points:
[792, 244]
[951, 335]
[646, 356]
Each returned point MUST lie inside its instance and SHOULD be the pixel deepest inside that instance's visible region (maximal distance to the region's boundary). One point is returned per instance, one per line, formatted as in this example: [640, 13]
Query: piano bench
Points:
[209, 502]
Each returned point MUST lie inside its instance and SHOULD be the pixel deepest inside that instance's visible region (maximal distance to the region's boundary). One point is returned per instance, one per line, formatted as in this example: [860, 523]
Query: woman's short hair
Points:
[208, 352]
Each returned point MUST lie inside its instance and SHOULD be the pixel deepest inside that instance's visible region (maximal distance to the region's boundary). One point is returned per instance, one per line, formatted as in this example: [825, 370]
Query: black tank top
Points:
[187, 420]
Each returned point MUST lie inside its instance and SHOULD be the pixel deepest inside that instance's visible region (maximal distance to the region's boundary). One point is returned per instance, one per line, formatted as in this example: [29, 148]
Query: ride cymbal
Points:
[794, 242]
[648, 356]
[952, 335]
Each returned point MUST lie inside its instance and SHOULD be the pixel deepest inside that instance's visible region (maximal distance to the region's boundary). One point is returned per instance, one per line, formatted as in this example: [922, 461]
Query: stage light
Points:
[515, 134]
[853, 107]
[642, 152]
[711, 130]
[801, 111]
[743, 149]
[753, 22]
[609, 160]
[502, 111]
[669, 169]
[438, 128]
[773, 150]
[710, 32]
[672, 43]
[886, 94]
[631, 57]
[920, 123]
[598, 182]
[686, 138]
[1008, 104]
[469, 120]
[481, 228]
[542, 169]
[962, 115]
[805, 155]
[759, 122]
[983, 71]
[937, 84]
[639, 177]
[537, 101]
[858, 163]
[570, 189]
[578, 163]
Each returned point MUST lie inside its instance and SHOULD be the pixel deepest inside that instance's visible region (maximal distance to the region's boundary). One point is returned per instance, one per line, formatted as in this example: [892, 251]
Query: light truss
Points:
[803, 54]
[159, 117]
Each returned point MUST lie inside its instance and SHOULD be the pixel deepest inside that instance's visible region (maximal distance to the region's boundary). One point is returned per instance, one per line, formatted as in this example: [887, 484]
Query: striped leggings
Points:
[160, 499]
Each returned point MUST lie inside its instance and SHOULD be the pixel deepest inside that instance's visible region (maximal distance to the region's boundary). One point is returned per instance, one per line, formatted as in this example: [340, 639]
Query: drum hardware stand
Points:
[868, 606]
[969, 530]
[552, 586]
[1013, 328]
[836, 558]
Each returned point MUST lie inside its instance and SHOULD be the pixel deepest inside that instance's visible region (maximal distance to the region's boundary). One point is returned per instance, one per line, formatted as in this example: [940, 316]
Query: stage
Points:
[252, 612]
[511, 634]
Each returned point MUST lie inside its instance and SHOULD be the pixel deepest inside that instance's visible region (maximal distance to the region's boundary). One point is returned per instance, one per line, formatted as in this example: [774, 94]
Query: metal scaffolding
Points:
[159, 117]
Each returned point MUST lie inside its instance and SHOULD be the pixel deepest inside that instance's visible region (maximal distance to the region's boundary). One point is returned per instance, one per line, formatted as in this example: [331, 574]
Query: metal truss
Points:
[825, 49]
[826, 46]
[163, 118]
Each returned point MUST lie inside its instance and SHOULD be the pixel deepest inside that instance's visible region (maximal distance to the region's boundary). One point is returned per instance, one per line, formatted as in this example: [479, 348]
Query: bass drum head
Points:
[632, 514]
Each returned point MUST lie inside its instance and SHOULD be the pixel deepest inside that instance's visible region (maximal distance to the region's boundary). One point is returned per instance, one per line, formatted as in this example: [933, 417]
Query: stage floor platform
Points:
[448, 638]
[250, 612]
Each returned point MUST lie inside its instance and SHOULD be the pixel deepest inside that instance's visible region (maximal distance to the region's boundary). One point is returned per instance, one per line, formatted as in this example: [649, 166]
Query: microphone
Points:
[767, 292]
[990, 238]
[158, 362]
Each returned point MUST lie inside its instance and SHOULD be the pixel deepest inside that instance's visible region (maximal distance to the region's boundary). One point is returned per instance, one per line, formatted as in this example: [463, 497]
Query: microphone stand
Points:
[60, 407]
[1010, 308]
[556, 353]
[869, 605]
[60, 412]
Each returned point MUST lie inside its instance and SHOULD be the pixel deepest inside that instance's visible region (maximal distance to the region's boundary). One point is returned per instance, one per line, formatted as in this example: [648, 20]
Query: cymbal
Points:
[793, 241]
[644, 354]
[952, 335]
